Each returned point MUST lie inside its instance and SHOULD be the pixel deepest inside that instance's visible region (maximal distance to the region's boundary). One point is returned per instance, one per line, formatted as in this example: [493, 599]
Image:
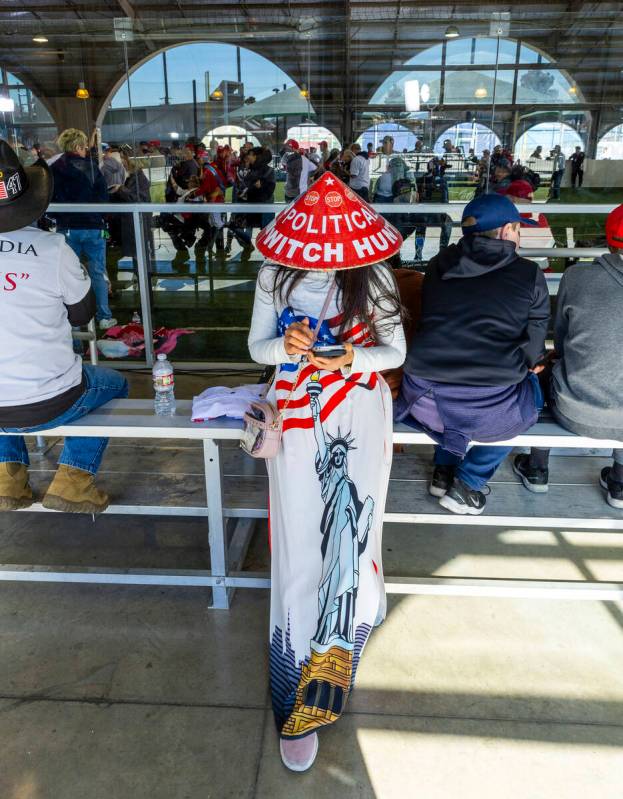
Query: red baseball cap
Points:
[293, 144]
[329, 227]
[519, 188]
[614, 228]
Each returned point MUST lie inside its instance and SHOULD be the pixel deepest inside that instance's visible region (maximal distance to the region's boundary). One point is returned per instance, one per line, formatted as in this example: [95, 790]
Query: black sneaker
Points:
[533, 478]
[441, 480]
[463, 500]
[613, 487]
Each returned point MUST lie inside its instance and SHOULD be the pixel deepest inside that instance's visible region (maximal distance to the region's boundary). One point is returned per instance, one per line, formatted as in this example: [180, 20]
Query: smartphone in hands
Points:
[329, 350]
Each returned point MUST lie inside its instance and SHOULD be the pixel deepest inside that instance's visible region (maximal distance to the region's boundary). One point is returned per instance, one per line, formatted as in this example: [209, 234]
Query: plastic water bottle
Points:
[136, 318]
[164, 387]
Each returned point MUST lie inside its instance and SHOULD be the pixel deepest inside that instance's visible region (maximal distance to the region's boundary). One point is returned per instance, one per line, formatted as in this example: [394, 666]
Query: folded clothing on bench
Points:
[225, 401]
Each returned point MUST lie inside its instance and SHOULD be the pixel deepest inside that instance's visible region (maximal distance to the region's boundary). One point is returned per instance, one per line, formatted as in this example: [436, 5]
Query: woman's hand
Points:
[333, 364]
[298, 338]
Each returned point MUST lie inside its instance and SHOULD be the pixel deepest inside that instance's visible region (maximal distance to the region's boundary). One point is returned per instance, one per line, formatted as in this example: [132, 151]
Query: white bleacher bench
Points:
[232, 509]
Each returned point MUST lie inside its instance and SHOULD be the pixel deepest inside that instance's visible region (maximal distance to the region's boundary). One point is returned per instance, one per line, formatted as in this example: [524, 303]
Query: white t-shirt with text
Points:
[39, 275]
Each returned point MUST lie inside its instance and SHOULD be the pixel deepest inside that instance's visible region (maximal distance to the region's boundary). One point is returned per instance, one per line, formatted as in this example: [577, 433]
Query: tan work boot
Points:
[15, 490]
[74, 491]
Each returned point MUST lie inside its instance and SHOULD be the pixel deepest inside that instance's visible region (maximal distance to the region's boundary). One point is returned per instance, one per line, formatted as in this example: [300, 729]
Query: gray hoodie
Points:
[588, 334]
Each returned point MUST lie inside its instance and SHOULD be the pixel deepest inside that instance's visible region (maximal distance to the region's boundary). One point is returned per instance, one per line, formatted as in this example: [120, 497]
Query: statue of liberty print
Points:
[346, 522]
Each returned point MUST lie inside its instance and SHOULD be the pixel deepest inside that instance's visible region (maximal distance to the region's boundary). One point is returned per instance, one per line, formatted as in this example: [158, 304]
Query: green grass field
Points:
[211, 316]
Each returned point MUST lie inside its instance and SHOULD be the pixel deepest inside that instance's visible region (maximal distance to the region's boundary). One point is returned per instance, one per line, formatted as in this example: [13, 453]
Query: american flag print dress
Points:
[328, 486]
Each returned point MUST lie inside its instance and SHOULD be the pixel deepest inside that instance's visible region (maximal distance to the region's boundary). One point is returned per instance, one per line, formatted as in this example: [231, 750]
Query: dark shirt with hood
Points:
[293, 166]
[484, 316]
[261, 172]
[587, 383]
[78, 180]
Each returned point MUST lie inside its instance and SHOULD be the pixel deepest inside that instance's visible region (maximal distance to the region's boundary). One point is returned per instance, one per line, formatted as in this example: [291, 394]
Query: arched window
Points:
[23, 117]
[547, 135]
[611, 144]
[453, 76]
[468, 136]
[404, 139]
[233, 135]
[191, 89]
[311, 135]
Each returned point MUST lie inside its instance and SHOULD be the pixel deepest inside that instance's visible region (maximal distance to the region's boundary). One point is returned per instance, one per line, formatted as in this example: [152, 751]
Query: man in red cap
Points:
[586, 384]
[292, 163]
[521, 192]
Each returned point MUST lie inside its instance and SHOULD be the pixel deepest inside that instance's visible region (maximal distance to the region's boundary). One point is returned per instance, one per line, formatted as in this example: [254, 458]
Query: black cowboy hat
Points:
[25, 192]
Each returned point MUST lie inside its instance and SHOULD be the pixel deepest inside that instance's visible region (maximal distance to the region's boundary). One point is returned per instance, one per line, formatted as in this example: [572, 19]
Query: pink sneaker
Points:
[298, 754]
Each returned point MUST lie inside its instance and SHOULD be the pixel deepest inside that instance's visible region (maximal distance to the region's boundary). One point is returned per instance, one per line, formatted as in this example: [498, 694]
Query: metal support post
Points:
[144, 283]
[93, 343]
[216, 524]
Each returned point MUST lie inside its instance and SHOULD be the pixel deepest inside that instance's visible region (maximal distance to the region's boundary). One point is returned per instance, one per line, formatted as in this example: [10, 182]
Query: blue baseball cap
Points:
[489, 212]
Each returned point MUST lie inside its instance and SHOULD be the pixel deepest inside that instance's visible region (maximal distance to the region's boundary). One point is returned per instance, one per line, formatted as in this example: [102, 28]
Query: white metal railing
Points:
[454, 210]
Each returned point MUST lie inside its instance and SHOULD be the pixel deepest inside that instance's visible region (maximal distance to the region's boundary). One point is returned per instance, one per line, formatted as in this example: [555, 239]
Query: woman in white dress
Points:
[328, 483]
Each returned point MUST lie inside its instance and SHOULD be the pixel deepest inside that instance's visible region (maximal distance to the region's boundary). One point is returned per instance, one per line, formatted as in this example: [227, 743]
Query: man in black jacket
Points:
[78, 179]
[469, 374]
[43, 384]
[577, 167]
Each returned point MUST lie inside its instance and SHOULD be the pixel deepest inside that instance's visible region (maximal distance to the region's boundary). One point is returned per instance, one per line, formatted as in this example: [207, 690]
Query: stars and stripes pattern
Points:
[335, 387]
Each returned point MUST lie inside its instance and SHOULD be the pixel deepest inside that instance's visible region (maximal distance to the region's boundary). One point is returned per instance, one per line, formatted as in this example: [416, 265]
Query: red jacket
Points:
[213, 184]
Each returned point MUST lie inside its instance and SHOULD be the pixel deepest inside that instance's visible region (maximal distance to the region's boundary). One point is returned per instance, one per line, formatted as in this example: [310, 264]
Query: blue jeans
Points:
[477, 467]
[556, 181]
[91, 244]
[101, 385]
[481, 463]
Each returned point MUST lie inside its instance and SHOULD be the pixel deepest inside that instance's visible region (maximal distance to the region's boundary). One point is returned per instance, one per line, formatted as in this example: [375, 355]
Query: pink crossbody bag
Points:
[263, 423]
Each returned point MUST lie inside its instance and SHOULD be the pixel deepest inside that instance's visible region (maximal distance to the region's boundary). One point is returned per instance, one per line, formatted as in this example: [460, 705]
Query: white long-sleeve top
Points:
[307, 299]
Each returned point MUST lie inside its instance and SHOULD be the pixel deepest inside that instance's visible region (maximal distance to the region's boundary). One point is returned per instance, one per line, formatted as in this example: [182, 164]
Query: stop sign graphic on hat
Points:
[328, 227]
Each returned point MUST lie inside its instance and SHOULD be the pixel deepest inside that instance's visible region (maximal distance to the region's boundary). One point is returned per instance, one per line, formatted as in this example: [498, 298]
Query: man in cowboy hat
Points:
[43, 384]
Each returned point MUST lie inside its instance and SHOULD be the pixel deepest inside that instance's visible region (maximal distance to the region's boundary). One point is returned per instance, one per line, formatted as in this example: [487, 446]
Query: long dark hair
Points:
[367, 294]
[262, 155]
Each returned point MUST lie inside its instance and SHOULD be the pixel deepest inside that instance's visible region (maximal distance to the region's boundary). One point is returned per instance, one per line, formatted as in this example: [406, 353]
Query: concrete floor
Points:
[144, 693]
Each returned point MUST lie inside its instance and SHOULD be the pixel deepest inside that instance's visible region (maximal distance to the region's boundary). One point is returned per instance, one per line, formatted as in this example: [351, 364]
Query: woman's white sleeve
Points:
[264, 344]
[391, 348]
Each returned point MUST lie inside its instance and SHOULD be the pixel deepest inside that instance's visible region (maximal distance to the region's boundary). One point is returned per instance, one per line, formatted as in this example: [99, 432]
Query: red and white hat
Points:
[328, 227]
[614, 228]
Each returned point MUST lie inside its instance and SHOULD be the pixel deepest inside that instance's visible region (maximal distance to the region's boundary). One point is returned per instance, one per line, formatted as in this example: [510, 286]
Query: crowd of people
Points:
[473, 367]
[85, 173]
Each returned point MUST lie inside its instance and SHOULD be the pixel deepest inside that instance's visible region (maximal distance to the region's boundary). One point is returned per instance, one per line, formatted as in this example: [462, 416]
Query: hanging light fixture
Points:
[573, 90]
[480, 93]
[217, 94]
[304, 91]
[40, 38]
[82, 93]
[452, 32]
